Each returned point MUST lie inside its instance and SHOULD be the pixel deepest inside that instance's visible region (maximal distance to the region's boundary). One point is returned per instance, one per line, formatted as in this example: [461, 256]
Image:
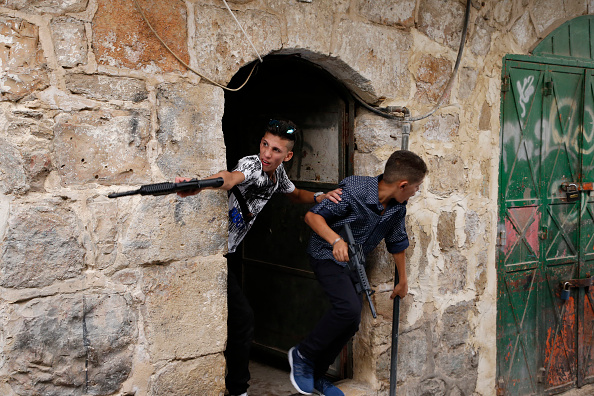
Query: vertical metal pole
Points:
[394, 351]
[396, 310]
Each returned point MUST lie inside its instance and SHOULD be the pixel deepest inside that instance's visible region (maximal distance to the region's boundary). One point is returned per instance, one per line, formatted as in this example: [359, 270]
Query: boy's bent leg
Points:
[340, 323]
[240, 334]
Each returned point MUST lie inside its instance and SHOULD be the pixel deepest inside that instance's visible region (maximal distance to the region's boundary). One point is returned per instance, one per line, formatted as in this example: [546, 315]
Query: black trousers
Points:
[240, 330]
[340, 323]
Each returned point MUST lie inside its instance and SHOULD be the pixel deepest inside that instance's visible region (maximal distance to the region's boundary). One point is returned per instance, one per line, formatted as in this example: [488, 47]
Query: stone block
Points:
[102, 87]
[524, 32]
[447, 175]
[459, 365]
[446, 230]
[456, 324]
[190, 130]
[366, 164]
[472, 227]
[38, 166]
[30, 123]
[13, 176]
[54, 338]
[21, 59]
[380, 264]
[386, 12]
[201, 376]
[424, 240]
[413, 356]
[480, 41]
[442, 21]
[70, 41]
[373, 132]
[46, 6]
[53, 98]
[220, 47]
[360, 45]
[502, 11]
[442, 128]
[485, 117]
[453, 279]
[41, 246]
[305, 24]
[121, 38]
[103, 231]
[432, 77]
[186, 309]
[481, 272]
[432, 387]
[106, 147]
[168, 228]
[467, 83]
[548, 14]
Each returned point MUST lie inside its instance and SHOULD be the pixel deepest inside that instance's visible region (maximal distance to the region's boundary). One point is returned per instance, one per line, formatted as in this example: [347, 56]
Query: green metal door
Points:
[545, 229]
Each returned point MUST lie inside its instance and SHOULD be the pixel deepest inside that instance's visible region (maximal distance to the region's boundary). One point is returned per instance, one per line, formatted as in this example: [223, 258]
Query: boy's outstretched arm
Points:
[304, 196]
[401, 289]
[230, 179]
[318, 224]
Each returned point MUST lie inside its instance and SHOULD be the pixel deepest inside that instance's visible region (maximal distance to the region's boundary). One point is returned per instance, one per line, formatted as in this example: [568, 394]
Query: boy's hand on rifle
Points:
[401, 290]
[333, 195]
[184, 194]
[340, 251]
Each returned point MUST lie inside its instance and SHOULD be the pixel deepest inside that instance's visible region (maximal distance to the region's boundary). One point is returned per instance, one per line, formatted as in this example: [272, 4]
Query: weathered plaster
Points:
[128, 102]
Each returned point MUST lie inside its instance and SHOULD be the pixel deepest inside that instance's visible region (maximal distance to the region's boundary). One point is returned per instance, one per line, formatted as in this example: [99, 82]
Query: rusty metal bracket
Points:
[584, 282]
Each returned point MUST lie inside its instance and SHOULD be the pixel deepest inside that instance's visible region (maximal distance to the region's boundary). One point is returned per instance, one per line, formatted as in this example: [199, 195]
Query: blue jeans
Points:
[340, 323]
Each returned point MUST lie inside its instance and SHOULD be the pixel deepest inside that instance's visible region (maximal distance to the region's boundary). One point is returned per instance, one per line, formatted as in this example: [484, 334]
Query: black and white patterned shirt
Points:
[257, 189]
[360, 206]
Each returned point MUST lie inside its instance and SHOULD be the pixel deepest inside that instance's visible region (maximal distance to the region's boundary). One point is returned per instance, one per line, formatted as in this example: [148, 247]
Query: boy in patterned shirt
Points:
[375, 208]
[251, 184]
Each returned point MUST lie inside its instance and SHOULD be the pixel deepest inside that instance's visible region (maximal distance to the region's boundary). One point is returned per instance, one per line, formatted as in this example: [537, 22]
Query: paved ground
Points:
[269, 381]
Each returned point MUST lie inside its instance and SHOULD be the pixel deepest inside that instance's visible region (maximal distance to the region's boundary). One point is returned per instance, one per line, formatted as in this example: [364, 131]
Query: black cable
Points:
[384, 111]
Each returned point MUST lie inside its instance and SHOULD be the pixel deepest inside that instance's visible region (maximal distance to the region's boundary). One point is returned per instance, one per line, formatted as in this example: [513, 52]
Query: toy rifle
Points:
[170, 188]
[357, 265]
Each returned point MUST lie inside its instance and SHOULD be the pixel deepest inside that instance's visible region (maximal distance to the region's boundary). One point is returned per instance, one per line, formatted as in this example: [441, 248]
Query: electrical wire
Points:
[244, 33]
[382, 111]
[184, 63]
[448, 87]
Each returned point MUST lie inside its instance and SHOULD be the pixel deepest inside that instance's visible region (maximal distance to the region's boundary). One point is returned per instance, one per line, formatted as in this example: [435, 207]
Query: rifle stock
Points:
[170, 188]
[357, 264]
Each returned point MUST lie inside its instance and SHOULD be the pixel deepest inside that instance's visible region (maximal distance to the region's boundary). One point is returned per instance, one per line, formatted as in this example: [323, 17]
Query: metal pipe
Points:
[406, 127]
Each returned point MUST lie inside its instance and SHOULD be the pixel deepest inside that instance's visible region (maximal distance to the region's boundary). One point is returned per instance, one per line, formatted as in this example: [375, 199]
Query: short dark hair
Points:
[284, 129]
[404, 165]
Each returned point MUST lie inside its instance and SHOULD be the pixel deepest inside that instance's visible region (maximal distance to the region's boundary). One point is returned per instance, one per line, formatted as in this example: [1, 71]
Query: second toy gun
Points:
[170, 188]
[357, 265]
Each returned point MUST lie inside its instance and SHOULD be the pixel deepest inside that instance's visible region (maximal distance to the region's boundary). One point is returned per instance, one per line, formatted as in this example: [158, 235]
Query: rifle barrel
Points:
[169, 188]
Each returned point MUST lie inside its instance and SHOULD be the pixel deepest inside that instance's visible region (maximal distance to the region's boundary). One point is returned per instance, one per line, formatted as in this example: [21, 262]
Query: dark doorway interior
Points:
[276, 276]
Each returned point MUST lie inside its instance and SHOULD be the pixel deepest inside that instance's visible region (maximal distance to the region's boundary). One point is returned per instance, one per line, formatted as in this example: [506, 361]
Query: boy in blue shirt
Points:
[375, 207]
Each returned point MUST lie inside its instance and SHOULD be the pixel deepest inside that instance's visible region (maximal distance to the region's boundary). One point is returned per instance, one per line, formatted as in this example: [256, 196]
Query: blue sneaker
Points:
[301, 372]
[326, 388]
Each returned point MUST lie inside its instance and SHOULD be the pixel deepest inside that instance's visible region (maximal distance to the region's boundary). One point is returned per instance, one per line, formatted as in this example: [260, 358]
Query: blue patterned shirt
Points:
[361, 207]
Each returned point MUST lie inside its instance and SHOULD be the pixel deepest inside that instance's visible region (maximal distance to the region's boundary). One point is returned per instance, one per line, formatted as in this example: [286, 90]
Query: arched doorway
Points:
[276, 276]
[545, 300]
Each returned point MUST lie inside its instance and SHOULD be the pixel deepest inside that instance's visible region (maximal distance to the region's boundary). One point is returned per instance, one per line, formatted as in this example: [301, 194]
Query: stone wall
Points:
[127, 296]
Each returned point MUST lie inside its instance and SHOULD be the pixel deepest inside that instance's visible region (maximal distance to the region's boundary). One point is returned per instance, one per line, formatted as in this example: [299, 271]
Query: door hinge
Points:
[547, 88]
[500, 387]
[501, 238]
[540, 377]
[505, 83]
